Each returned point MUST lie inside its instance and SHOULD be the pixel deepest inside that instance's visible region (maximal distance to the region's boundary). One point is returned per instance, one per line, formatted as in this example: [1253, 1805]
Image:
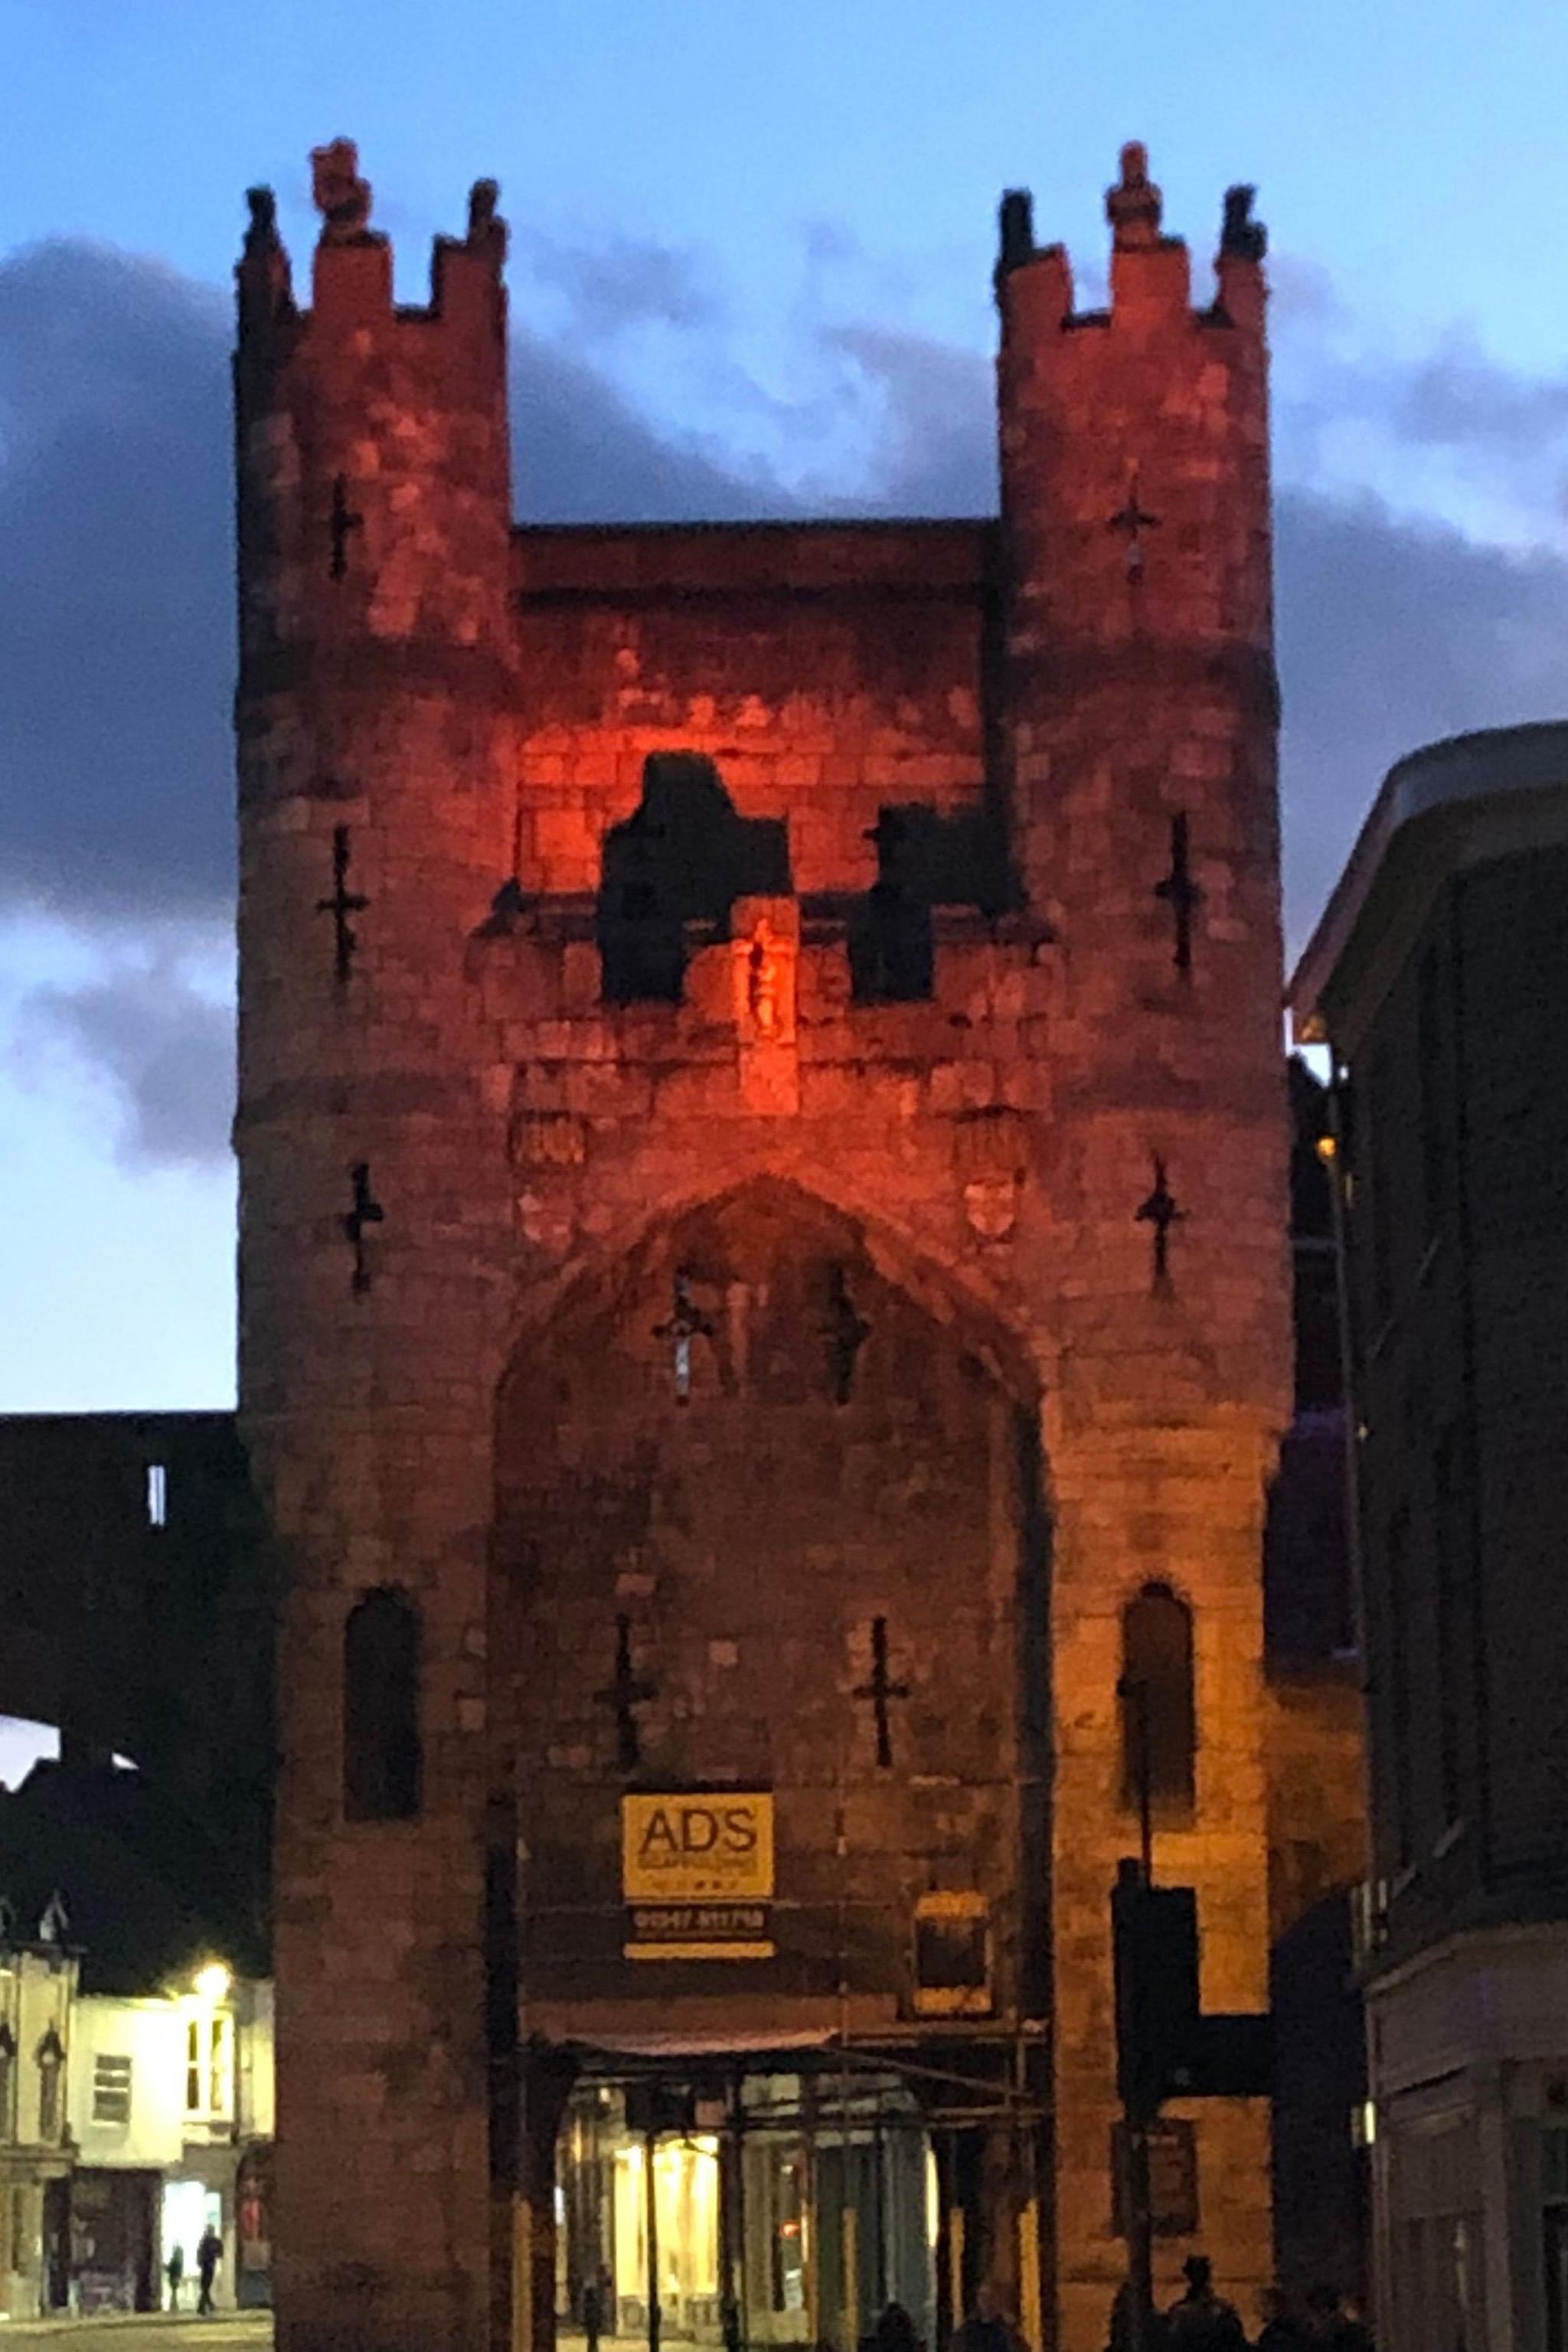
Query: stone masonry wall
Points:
[435, 1398]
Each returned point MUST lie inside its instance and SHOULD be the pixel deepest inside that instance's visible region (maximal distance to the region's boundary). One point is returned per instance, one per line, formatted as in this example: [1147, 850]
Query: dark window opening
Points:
[1380, 1180]
[924, 860]
[1452, 1580]
[7, 2083]
[1397, 1636]
[1159, 1709]
[381, 1709]
[952, 1956]
[671, 873]
[1318, 1381]
[1432, 1048]
[51, 2059]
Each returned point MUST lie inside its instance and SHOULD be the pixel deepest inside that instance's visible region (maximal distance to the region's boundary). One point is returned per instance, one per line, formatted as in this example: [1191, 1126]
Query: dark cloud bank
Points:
[116, 639]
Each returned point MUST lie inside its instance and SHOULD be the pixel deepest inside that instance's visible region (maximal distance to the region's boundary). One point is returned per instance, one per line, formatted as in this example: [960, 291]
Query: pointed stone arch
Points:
[952, 1295]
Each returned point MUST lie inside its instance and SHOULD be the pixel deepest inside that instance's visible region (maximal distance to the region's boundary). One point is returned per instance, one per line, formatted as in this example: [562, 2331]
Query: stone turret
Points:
[1141, 714]
[375, 714]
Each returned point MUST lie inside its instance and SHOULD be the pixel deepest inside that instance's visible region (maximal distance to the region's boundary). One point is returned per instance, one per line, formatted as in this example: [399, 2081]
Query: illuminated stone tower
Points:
[764, 1300]
[376, 717]
[1142, 715]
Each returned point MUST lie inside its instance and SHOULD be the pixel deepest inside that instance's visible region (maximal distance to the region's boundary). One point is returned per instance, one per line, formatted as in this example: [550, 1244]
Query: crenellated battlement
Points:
[352, 266]
[375, 499]
[1151, 272]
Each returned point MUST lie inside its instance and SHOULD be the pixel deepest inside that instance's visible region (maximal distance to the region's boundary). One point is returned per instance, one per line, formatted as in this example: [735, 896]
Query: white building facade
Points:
[170, 2114]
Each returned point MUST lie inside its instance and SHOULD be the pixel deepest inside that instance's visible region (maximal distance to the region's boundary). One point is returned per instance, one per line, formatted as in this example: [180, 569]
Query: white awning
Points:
[702, 2045]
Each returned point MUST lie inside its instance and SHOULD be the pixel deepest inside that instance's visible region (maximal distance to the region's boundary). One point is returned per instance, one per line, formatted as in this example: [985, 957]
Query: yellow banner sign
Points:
[687, 1849]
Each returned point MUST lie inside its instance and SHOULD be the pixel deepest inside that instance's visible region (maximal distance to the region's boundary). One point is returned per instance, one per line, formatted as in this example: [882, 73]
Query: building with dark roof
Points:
[1439, 978]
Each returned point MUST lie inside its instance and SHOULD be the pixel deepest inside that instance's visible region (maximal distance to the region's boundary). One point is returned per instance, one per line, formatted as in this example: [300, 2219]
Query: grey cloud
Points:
[619, 281]
[1501, 433]
[116, 565]
[1393, 633]
[116, 603]
[1459, 397]
[116, 652]
[1301, 294]
[581, 453]
[935, 452]
[165, 1049]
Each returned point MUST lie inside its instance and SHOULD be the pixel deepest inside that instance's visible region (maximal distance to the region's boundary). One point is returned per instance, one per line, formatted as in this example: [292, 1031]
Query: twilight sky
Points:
[752, 249]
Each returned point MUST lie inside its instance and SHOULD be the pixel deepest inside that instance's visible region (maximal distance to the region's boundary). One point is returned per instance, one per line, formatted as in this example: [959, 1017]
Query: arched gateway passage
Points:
[768, 1673]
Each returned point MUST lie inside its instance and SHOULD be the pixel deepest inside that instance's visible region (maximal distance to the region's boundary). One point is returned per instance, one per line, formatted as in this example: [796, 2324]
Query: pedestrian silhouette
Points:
[209, 2253]
[1200, 2320]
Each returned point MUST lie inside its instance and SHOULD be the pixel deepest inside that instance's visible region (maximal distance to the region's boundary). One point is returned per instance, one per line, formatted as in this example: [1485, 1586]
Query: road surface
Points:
[151, 2331]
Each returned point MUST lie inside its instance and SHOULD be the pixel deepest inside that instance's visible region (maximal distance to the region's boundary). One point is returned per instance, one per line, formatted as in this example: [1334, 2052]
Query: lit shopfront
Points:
[785, 2207]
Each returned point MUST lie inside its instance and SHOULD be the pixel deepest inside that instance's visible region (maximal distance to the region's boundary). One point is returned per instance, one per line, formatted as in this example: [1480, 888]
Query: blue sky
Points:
[752, 250]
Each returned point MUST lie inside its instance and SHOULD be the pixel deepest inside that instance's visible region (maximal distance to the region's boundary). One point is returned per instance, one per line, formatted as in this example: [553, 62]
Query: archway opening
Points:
[769, 1694]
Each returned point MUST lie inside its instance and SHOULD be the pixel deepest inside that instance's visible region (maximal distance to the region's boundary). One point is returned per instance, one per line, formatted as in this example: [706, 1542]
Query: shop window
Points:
[381, 1709]
[209, 2063]
[785, 2188]
[1159, 1710]
[110, 2088]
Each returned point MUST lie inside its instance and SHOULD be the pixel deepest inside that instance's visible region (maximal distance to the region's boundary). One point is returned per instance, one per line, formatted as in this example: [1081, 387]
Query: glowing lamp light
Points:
[213, 1980]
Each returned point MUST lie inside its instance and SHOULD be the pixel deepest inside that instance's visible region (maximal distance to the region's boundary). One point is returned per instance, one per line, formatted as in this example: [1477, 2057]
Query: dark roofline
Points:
[120, 1416]
[794, 526]
[1424, 795]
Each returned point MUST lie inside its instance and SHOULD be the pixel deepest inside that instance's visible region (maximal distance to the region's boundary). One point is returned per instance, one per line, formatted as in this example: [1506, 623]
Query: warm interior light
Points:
[213, 1980]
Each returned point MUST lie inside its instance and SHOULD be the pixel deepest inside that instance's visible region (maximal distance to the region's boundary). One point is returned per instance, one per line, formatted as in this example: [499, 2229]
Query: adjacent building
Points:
[170, 2114]
[1438, 976]
[38, 1990]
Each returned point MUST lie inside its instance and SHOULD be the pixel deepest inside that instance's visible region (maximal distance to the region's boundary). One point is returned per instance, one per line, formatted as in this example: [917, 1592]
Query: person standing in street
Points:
[209, 2253]
[1328, 2322]
[989, 2328]
[175, 2271]
[1281, 2330]
[1201, 2320]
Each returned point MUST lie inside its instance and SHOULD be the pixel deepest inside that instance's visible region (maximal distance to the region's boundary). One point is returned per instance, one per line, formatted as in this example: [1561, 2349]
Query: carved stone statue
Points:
[1018, 221]
[1134, 207]
[1240, 235]
[764, 980]
[486, 230]
[261, 235]
[342, 197]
